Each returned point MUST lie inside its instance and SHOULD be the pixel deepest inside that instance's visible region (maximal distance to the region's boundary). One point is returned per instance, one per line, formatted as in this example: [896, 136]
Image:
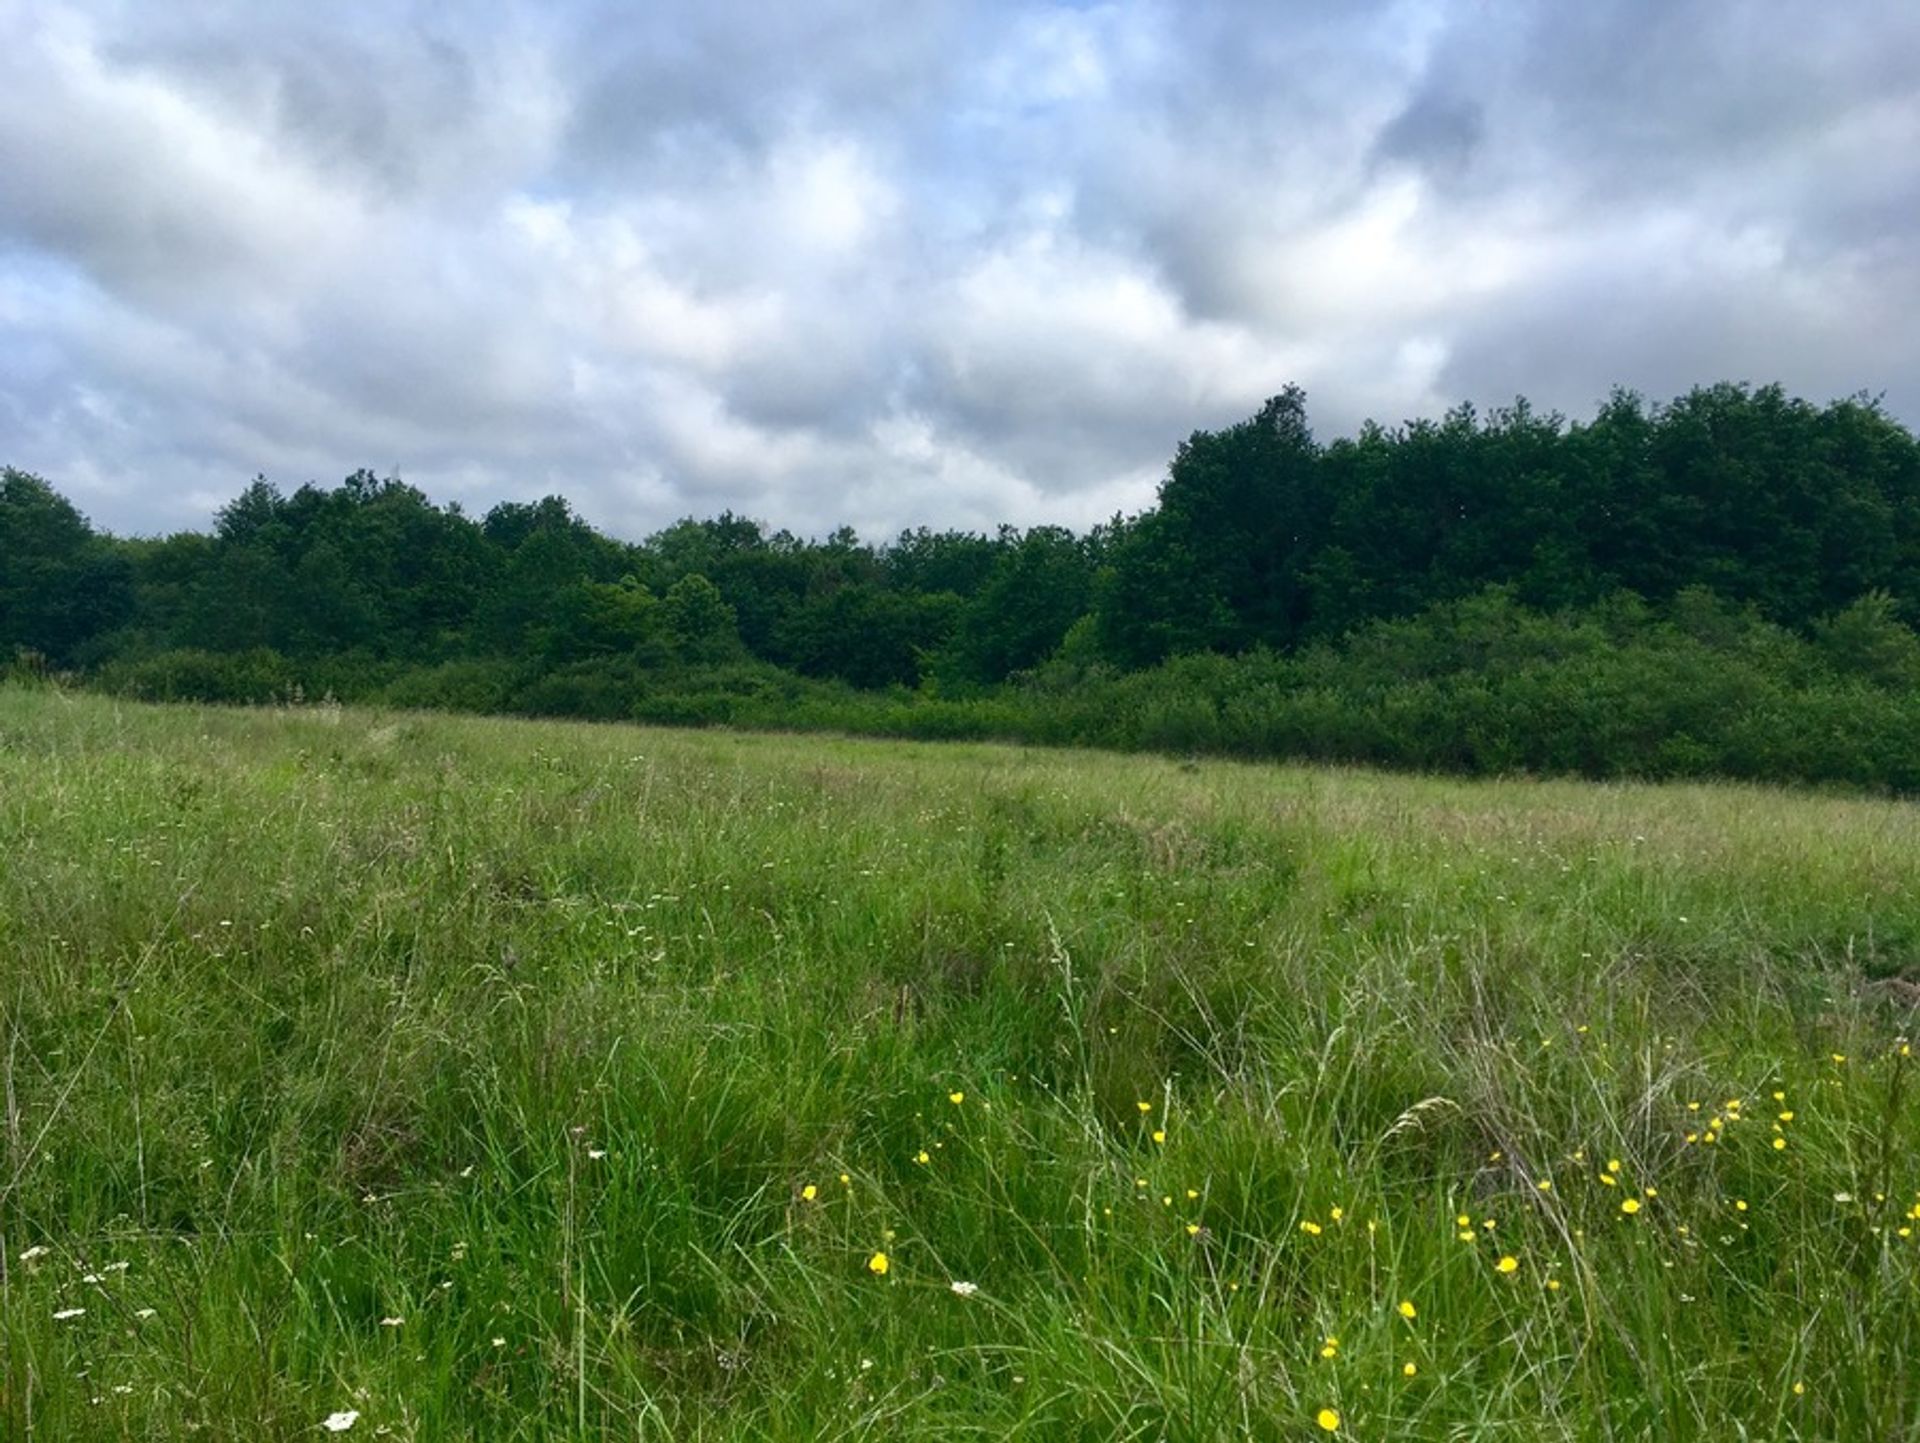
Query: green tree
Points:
[699, 626]
[1040, 585]
[586, 619]
[1220, 566]
[1867, 640]
[961, 562]
[868, 636]
[61, 586]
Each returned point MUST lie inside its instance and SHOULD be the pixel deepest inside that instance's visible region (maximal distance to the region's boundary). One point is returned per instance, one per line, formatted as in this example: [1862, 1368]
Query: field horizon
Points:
[450, 1077]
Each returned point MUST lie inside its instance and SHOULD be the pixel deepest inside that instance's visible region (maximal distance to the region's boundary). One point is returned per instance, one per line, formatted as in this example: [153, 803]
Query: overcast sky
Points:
[890, 263]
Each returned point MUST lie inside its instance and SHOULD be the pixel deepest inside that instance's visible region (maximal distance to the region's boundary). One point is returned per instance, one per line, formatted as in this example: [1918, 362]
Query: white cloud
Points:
[952, 264]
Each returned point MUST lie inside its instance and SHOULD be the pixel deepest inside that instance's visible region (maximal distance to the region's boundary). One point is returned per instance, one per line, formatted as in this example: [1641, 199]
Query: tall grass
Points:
[494, 1079]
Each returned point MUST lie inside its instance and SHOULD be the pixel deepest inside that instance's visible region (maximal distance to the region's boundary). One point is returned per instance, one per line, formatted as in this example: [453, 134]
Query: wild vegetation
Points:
[442, 1077]
[1725, 585]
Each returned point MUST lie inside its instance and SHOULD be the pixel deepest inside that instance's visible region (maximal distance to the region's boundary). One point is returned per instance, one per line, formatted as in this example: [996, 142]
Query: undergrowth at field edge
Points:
[455, 1078]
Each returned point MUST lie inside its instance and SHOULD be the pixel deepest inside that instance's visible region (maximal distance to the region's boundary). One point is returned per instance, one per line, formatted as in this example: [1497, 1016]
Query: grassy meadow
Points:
[444, 1078]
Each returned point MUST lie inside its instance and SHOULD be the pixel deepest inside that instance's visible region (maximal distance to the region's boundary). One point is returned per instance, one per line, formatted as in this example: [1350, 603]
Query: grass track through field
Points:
[490, 1079]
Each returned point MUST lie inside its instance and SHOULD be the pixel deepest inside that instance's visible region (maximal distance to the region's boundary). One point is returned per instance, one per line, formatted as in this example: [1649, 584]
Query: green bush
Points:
[1480, 685]
[248, 677]
[473, 686]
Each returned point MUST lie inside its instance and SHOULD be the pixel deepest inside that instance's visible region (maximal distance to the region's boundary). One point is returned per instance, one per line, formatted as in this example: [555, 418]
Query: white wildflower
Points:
[341, 1421]
[964, 1290]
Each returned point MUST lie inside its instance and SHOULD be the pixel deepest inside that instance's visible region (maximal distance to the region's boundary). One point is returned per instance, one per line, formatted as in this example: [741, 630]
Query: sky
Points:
[893, 263]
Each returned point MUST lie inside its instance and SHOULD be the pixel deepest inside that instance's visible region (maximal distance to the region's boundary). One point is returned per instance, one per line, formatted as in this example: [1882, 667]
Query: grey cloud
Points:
[928, 262]
[1436, 132]
[1564, 346]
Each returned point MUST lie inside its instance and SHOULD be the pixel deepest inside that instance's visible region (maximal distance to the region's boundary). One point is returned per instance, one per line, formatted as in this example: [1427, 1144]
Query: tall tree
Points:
[61, 586]
[1221, 565]
[1039, 586]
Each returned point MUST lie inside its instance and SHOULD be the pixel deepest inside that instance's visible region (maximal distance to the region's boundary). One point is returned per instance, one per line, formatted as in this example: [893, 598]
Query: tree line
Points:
[1734, 516]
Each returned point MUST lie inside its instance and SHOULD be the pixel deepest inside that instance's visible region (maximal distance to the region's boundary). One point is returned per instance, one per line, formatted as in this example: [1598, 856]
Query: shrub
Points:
[256, 676]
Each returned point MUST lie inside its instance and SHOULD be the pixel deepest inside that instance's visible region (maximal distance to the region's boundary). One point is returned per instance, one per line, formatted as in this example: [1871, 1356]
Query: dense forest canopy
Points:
[1780, 534]
[1263, 536]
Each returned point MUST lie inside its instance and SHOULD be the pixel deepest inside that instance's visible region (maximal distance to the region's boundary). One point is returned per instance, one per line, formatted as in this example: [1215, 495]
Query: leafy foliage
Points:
[60, 584]
[1694, 587]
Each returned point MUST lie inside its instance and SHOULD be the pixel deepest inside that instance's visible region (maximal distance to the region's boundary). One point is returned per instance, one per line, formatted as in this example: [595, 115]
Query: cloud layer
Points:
[892, 264]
